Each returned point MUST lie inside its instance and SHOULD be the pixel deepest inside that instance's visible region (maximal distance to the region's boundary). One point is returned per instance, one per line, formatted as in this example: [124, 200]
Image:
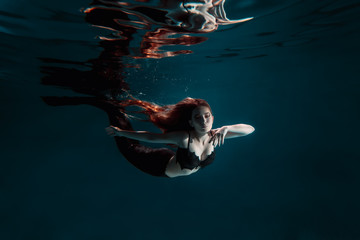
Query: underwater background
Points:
[292, 72]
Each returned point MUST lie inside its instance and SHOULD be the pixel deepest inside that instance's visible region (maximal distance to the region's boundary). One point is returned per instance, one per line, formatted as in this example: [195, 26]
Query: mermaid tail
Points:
[149, 160]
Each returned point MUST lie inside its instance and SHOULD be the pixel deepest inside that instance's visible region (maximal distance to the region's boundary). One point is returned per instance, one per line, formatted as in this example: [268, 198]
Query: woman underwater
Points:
[187, 124]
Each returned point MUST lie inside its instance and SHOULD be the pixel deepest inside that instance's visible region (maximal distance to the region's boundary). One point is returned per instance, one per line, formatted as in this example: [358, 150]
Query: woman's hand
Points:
[219, 136]
[113, 131]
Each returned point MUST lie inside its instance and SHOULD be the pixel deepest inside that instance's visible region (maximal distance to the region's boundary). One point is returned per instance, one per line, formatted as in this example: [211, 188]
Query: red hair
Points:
[168, 118]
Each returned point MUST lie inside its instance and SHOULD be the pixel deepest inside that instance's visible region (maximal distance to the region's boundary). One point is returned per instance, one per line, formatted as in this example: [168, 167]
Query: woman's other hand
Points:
[219, 136]
[113, 131]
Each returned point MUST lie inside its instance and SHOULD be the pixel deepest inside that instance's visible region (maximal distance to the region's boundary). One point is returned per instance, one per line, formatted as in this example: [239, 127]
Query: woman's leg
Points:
[149, 160]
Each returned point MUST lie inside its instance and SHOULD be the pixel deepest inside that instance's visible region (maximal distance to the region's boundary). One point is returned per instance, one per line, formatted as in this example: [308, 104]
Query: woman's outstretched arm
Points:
[231, 131]
[238, 130]
[167, 138]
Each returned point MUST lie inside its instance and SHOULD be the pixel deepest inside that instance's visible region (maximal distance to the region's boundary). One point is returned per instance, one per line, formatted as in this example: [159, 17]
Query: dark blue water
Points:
[292, 72]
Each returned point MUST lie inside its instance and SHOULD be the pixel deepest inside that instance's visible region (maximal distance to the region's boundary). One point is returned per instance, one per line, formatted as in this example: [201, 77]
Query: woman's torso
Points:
[191, 156]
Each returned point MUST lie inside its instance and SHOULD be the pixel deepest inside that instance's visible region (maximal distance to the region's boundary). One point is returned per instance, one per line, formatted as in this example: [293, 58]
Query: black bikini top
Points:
[189, 160]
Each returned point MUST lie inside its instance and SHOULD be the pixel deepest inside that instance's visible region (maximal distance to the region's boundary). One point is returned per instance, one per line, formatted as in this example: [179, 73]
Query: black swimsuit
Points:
[189, 160]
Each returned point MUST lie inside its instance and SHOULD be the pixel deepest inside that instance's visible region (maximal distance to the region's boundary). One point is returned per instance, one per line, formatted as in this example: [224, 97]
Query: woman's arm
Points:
[238, 130]
[231, 131]
[167, 138]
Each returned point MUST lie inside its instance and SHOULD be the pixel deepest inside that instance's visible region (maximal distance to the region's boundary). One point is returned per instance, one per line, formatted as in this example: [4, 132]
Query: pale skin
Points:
[203, 143]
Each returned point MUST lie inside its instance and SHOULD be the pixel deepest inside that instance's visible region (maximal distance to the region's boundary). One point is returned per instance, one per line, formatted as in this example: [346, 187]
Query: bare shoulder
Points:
[182, 138]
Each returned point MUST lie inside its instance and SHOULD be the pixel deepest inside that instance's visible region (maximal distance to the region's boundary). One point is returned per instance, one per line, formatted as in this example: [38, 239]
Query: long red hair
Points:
[168, 118]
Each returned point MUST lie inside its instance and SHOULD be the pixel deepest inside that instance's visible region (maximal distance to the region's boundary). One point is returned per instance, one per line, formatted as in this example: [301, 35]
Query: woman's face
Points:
[202, 119]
